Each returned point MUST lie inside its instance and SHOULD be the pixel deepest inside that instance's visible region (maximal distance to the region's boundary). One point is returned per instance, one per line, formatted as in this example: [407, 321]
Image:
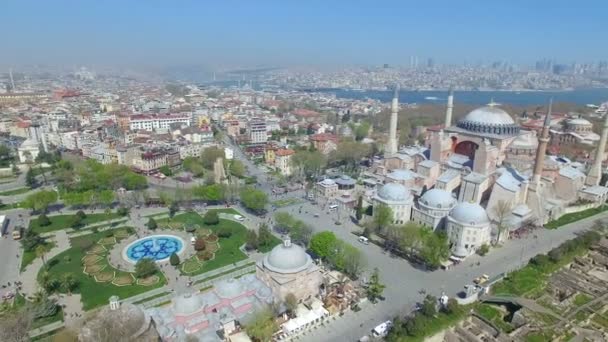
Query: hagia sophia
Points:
[483, 171]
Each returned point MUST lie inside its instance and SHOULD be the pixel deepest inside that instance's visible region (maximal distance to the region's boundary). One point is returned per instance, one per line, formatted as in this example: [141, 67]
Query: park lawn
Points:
[573, 217]
[286, 202]
[30, 256]
[227, 211]
[15, 192]
[229, 251]
[94, 294]
[581, 299]
[59, 222]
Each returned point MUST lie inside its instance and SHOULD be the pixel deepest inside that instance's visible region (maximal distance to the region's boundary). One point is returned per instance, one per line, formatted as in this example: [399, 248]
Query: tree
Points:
[374, 287]
[81, 215]
[199, 244]
[15, 169]
[383, 216]
[43, 220]
[210, 155]
[483, 249]
[211, 193]
[31, 240]
[211, 218]
[152, 225]
[362, 130]
[40, 201]
[173, 208]
[237, 168]
[262, 326]
[291, 303]
[40, 252]
[252, 240]
[264, 235]
[14, 326]
[416, 325]
[429, 306]
[174, 259]
[435, 249]
[283, 221]
[323, 243]
[253, 199]
[308, 163]
[501, 212]
[452, 306]
[30, 178]
[224, 232]
[166, 170]
[145, 267]
[359, 209]
[67, 283]
[122, 211]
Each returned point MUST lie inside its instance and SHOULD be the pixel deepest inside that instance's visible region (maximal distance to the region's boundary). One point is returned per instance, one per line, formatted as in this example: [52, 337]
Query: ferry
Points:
[432, 98]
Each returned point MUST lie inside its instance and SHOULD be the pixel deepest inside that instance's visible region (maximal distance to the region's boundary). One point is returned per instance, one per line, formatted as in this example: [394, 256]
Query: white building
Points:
[468, 228]
[398, 198]
[28, 151]
[433, 207]
[152, 122]
[257, 131]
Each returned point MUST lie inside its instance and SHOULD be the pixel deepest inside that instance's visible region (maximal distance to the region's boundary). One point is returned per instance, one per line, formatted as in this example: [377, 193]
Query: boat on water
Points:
[432, 98]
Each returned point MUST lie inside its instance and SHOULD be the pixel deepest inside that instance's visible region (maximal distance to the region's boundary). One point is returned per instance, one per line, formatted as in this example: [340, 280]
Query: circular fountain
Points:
[158, 248]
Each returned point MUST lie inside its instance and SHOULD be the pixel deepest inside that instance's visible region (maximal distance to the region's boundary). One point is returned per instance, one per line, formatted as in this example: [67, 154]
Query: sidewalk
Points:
[29, 277]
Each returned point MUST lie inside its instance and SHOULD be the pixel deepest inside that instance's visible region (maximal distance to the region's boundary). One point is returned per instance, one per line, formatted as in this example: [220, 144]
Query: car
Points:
[239, 218]
[381, 330]
[482, 279]
[363, 240]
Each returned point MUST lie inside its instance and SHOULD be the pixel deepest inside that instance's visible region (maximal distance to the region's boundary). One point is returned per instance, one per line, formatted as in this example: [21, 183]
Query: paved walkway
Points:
[73, 314]
[29, 276]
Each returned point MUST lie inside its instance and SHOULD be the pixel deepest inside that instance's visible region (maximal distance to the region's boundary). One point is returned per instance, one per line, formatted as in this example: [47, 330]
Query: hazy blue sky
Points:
[300, 32]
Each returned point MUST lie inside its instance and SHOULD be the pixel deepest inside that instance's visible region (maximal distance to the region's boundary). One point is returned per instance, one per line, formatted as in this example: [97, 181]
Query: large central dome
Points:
[287, 258]
[489, 120]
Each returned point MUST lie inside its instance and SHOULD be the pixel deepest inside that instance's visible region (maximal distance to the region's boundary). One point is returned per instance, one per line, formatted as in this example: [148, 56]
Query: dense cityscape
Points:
[253, 173]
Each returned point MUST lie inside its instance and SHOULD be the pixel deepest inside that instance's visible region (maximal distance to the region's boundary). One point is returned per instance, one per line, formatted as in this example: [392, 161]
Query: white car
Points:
[239, 218]
[382, 329]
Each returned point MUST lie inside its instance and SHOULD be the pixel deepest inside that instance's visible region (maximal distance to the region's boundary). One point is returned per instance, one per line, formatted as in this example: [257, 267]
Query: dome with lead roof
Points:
[469, 214]
[394, 192]
[287, 258]
[489, 120]
[438, 198]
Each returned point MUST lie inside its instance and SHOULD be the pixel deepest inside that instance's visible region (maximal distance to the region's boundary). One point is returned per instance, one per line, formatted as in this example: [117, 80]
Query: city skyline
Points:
[317, 33]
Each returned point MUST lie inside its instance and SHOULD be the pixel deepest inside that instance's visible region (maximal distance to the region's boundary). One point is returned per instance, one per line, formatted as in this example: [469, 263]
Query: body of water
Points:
[525, 98]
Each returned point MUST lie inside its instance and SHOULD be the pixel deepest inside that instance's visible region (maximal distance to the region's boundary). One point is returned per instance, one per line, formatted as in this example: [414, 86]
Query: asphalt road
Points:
[10, 251]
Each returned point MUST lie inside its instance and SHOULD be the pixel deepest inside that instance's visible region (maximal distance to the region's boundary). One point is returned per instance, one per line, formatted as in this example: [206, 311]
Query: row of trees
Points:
[338, 253]
[421, 323]
[92, 175]
[260, 240]
[298, 231]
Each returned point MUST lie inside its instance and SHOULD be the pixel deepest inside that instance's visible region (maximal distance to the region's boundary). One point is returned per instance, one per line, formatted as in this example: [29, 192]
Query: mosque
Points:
[482, 172]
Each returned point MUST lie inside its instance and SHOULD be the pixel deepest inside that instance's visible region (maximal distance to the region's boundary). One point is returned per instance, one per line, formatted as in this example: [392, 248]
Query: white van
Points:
[363, 240]
[382, 329]
[333, 207]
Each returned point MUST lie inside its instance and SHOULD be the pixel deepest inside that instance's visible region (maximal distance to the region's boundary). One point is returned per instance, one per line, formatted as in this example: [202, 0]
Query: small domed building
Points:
[289, 269]
[521, 152]
[398, 198]
[468, 228]
[433, 206]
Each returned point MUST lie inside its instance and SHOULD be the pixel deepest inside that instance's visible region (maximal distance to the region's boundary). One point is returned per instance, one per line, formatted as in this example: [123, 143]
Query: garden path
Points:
[29, 277]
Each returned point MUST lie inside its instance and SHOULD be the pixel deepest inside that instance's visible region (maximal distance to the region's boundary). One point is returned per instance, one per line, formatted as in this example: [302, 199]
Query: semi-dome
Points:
[469, 213]
[393, 192]
[490, 120]
[438, 198]
[186, 304]
[579, 122]
[525, 141]
[402, 175]
[287, 258]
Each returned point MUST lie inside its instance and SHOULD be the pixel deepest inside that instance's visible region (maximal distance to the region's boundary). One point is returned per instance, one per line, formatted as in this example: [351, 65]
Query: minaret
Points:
[543, 140]
[391, 147]
[448, 111]
[595, 173]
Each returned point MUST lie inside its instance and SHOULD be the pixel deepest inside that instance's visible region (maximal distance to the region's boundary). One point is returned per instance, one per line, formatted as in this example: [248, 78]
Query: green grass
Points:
[229, 251]
[600, 320]
[224, 273]
[573, 217]
[531, 278]
[438, 323]
[494, 315]
[227, 211]
[59, 222]
[15, 192]
[538, 337]
[581, 299]
[57, 317]
[94, 294]
[30, 256]
[99, 227]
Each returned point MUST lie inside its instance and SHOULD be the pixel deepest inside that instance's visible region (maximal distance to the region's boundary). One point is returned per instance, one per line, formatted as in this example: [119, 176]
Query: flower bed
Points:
[93, 269]
[97, 249]
[203, 232]
[121, 234]
[123, 279]
[191, 265]
[104, 277]
[151, 280]
[212, 238]
[107, 241]
[212, 247]
[91, 259]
